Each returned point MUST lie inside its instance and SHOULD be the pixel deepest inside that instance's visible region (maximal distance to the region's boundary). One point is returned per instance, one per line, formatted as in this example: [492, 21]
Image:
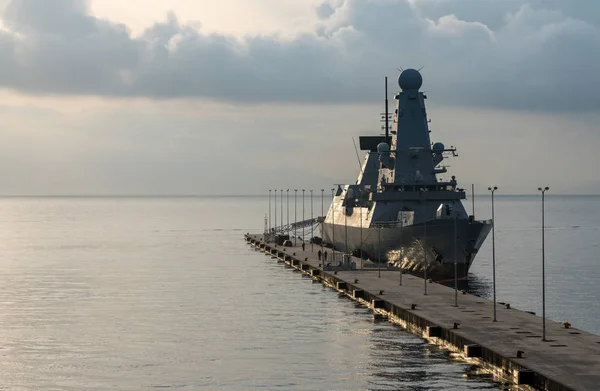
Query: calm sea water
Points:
[163, 293]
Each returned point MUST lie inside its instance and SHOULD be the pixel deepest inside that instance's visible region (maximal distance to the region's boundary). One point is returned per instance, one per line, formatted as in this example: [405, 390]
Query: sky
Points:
[193, 97]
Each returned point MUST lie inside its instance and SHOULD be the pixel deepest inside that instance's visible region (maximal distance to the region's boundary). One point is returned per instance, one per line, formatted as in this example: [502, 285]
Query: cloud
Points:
[516, 54]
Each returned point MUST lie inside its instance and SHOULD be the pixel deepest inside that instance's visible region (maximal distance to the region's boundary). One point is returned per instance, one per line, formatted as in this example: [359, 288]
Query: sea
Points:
[163, 293]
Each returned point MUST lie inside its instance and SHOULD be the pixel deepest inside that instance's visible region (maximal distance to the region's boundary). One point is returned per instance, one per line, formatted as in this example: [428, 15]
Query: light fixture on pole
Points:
[303, 216]
[361, 237]
[543, 191]
[322, 227]
[275, 232]
[295, 217]
[425, 263]
[455, 257]
[287, 195]
[493, 190]
[346, 251]
[401, 244]
[281, 199]
[379, 252]
[312, 227]
[332, 226]
[266, 239]
[473, 198]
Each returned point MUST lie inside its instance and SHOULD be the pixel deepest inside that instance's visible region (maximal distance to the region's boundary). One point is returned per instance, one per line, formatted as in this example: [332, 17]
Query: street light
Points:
[401, 244]
[312, 227]
[493, 189]
[379, 252]
[281, 199]
[275, 211]
[266, 239]
[346, 226]
[361, 235]
[425, 263]
[322, 229]
[456, 258]
[303, 217]
[295, 216]
[288, 211]
[543, 191]
[332, 225]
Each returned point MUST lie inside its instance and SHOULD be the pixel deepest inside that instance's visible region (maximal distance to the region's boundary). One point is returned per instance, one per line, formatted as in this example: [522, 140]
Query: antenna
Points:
[357, 156]
[387, 115]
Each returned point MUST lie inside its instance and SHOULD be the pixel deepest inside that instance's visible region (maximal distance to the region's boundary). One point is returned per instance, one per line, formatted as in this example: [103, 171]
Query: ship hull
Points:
[416, 248]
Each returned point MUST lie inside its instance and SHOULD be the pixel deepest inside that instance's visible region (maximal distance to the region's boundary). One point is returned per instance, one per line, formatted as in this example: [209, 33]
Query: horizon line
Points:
[242, 195]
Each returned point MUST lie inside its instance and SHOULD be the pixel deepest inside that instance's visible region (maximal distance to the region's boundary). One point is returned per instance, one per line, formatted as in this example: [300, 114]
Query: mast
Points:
[387, 115]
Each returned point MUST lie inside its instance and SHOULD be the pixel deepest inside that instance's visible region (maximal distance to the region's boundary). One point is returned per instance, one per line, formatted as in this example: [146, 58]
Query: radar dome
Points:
[383, 148]
[438, 147]
[410, 79]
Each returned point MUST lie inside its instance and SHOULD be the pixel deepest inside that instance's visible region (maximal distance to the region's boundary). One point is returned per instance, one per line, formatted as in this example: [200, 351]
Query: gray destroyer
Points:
[399, 211]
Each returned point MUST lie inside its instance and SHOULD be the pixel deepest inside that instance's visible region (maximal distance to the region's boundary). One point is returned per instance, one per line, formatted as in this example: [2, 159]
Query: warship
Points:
[400, 210]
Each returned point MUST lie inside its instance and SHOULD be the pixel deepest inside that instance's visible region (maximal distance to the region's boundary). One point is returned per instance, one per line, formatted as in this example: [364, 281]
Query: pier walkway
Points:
[512, 347]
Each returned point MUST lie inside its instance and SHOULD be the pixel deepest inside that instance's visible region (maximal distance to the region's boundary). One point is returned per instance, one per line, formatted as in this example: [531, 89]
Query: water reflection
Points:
[131, 295]
[479, 285]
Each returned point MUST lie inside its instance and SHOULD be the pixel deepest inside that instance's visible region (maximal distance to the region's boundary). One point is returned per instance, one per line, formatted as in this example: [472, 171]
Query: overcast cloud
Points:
[87, 107]
[518, 54]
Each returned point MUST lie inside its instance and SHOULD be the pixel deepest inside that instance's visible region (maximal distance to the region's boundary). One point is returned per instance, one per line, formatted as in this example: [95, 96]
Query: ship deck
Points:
[568, 360]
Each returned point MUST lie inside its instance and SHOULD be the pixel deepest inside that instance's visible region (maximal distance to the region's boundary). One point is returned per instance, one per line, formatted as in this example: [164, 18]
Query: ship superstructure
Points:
[399, 210]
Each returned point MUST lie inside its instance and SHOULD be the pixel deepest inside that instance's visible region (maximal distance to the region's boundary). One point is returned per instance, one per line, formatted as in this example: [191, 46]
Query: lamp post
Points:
[425, 263]
[295, 216]
[361, 237]
[275, 211]
[312, 227]
[281, 199]
[401, 243]
[332, 225]
[346, 224]
[266, 239]
[455, 258]
[473, 198]
[543, 191]
[322, 228]
[303, 216]
[493, 190]
[379, 252]
[287, 196]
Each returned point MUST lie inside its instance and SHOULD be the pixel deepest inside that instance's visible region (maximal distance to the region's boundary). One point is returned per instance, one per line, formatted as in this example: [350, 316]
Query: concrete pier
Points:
[512, 347]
